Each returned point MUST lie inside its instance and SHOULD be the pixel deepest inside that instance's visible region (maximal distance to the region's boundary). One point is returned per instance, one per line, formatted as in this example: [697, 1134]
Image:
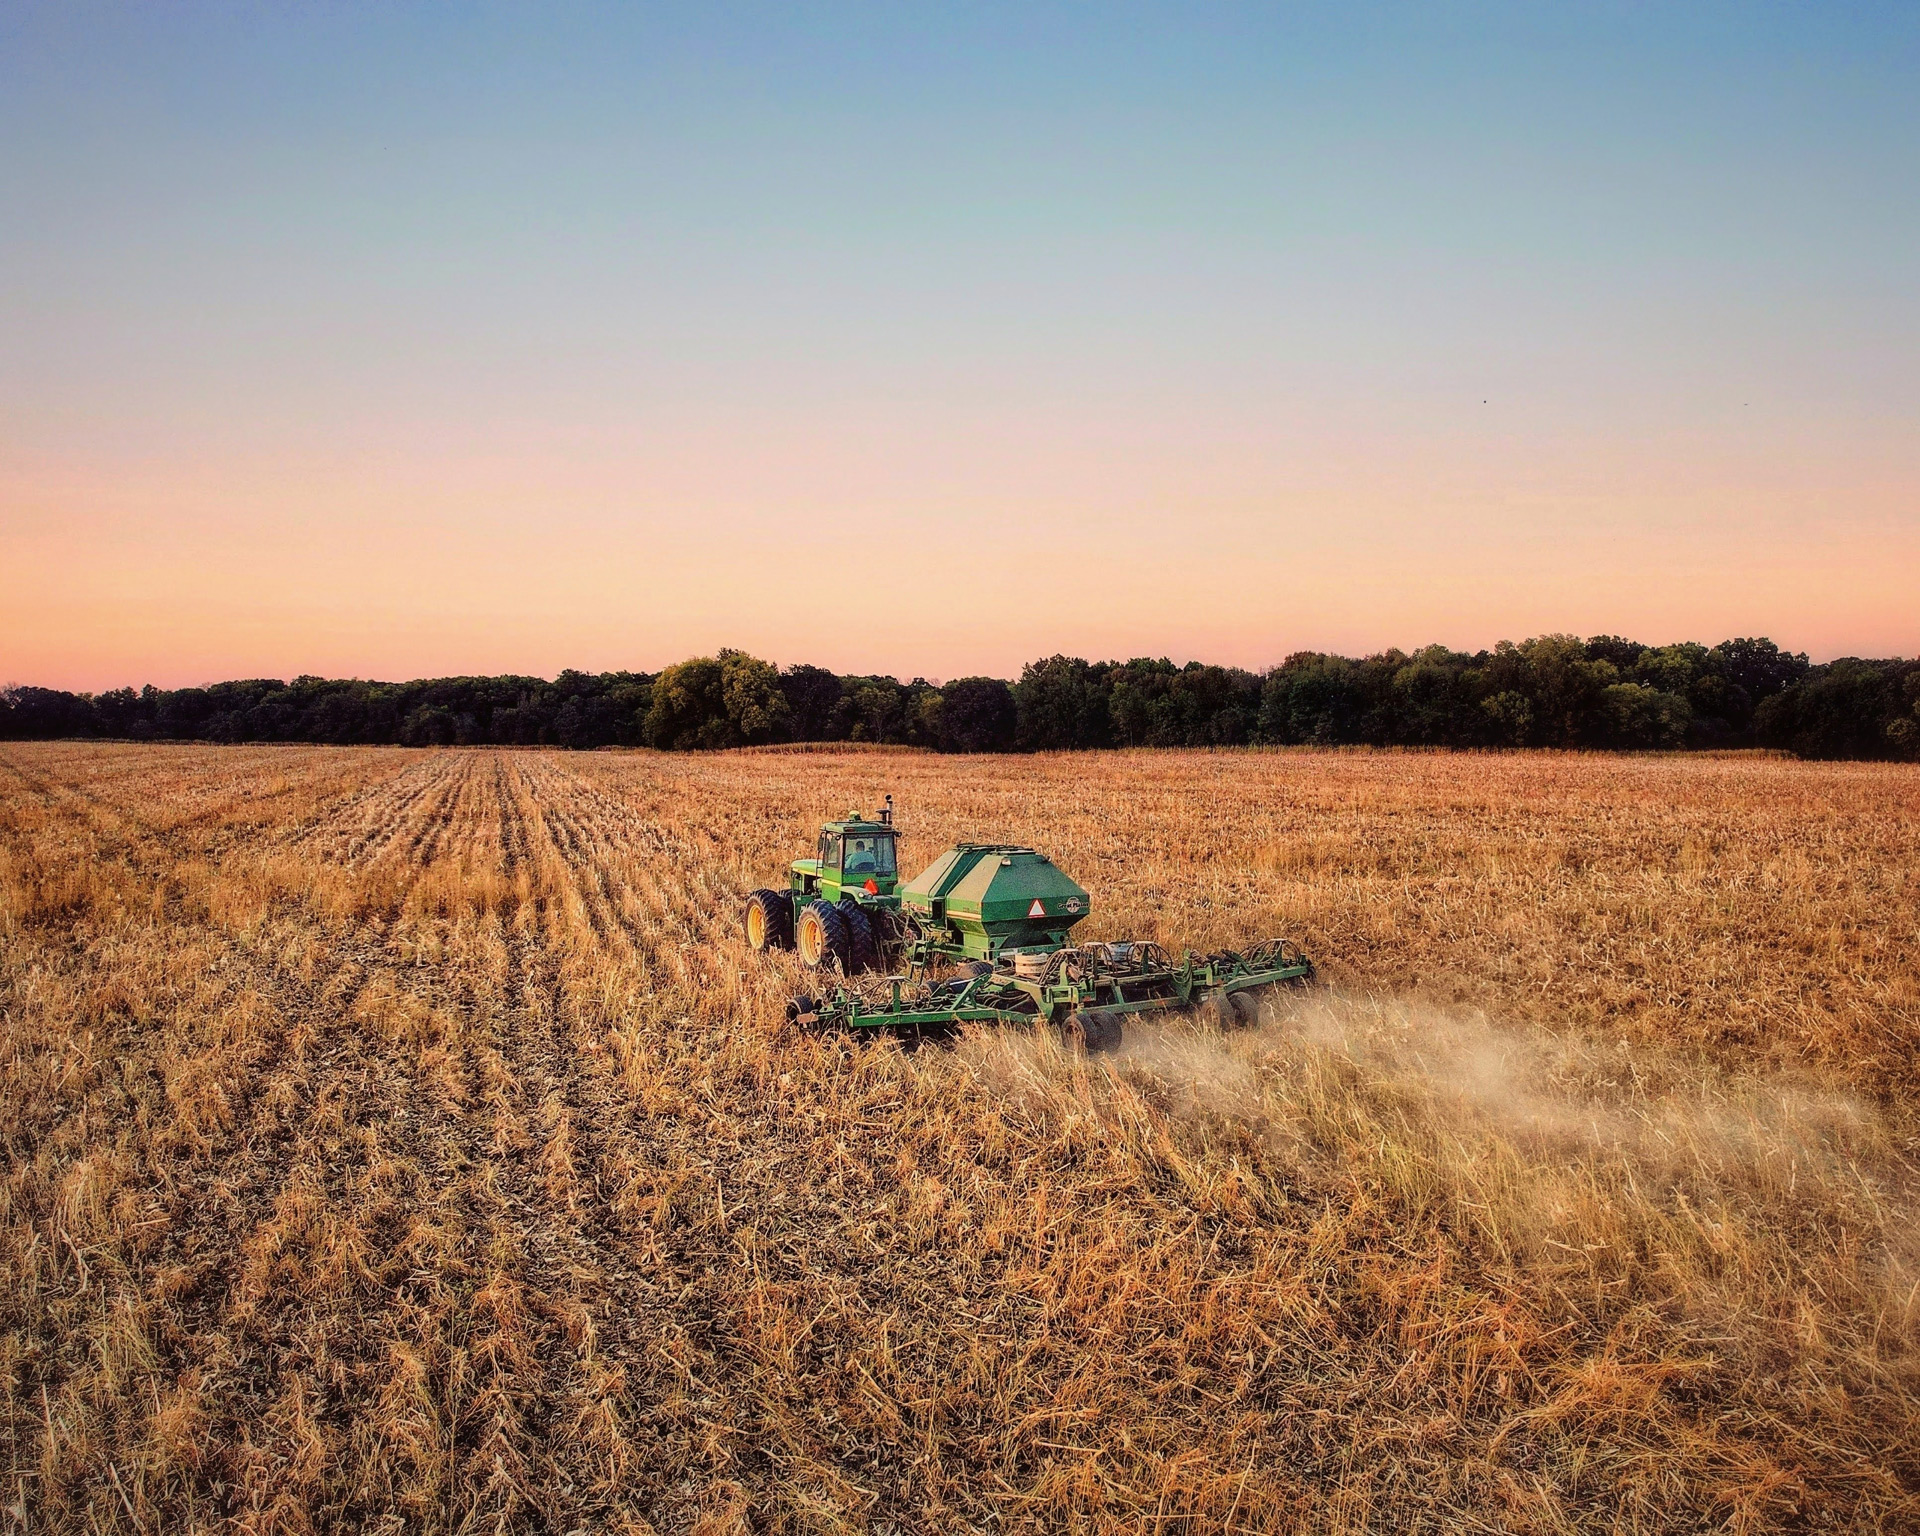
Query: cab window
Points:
[870, 854]
[829, 852]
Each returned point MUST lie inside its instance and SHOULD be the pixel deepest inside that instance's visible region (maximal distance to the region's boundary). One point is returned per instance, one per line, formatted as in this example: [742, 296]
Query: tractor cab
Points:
[855, 858]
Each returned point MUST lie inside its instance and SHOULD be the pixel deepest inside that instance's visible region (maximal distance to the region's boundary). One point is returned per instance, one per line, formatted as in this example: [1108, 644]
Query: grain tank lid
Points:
[936, 877]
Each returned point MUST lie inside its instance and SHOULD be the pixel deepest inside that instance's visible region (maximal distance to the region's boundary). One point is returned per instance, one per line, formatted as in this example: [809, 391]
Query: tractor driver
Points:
[868, 856]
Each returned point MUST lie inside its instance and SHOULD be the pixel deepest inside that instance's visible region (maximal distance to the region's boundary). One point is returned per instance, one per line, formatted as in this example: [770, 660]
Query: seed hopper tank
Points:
[978, 900]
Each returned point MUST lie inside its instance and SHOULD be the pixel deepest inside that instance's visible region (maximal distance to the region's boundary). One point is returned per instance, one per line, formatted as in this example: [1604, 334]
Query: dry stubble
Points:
[407, 1140]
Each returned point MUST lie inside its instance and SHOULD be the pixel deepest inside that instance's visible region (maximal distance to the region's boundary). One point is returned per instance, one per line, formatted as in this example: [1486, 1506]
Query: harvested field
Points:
[407, 1141]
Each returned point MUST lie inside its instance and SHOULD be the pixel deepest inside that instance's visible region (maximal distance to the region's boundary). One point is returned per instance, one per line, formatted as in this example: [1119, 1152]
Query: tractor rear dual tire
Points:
[769, 920]
[863, 940]
[843, 935]
[822, 936]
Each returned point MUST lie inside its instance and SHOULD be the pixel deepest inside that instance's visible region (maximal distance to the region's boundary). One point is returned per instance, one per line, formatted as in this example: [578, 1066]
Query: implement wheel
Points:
[769, 921]
[1094, 1030]
[821, 936]
[863, 944]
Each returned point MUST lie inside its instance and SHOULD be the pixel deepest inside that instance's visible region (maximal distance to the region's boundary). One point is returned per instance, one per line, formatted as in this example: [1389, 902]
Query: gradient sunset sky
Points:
[395, 341]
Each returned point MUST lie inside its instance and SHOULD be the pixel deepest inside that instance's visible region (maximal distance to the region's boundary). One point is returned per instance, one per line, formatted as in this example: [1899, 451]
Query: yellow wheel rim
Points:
[810, 939]
[756, 927]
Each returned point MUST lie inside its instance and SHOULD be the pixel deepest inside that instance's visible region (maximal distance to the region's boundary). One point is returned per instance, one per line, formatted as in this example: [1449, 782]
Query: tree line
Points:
[1550, 691]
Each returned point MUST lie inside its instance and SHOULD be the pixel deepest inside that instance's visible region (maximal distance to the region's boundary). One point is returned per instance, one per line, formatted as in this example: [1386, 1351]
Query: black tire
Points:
[1094, 1030]
[769, 920]
[1210, 1008]
[972, 968]
[863, 945]
[1246, 1008]
[821, 936]
[801, 1007]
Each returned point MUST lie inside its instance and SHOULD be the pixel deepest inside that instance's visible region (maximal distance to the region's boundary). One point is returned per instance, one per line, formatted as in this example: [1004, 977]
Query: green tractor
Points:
[840, 907]
[985, 936]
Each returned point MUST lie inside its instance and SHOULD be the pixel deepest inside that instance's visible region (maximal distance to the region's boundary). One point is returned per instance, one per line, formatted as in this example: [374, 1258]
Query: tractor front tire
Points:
[822, 937]
[863, 943]
[769, 921]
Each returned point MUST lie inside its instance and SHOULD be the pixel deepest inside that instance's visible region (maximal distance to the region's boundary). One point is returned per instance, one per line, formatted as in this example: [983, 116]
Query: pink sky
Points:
[936, 549]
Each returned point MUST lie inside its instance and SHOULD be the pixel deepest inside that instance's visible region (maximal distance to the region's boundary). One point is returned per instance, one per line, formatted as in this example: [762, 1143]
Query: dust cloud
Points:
[1527, 1083]
[1550, 1144]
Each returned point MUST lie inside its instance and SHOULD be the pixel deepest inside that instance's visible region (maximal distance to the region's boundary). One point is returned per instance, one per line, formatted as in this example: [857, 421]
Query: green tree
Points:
[729, 700]
[1511, 714]
[1433, 700]
[757, 710]
[878, 709]
[1312, 698]
[1634, 715]
[688, 708]
[977, 715]
[1671, 668]
[1564, 687]
[814, 697]
[1061, 703]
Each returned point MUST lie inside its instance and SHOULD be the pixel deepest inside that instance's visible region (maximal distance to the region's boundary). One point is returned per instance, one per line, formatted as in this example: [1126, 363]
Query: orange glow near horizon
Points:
[534, 557]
